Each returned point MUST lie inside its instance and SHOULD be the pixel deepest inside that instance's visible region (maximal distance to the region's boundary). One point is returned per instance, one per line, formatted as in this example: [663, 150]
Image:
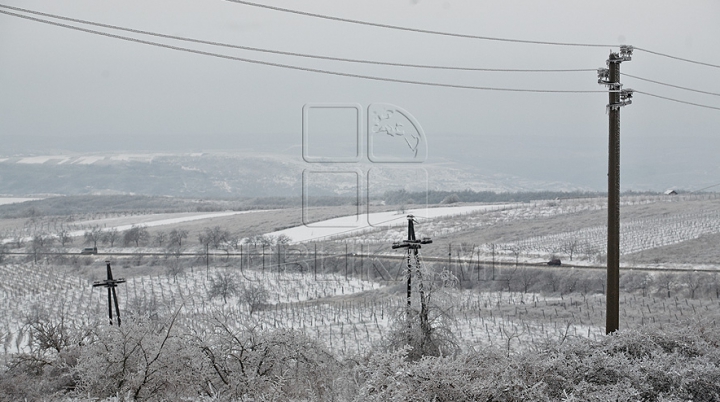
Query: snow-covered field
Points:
[537, 230]
[88, 159]
[348, 314]
[354, 224]
[676, 220]
[14, 200]
[151, 220]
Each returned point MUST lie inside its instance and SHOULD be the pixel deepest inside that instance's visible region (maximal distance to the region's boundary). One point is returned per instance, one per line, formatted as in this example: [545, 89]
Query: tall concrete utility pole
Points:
[617, 98]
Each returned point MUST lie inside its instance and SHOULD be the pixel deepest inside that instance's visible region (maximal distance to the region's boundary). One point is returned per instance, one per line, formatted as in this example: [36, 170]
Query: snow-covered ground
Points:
[14, 200]
[152, 220]
[34, 160]
[348, 225]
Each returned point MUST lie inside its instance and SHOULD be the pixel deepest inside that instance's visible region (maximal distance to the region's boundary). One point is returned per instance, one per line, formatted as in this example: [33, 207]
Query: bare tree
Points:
[214, 237]
[111, 236]
[592, 252]
[42, 240]
[64, 237]
[506, 276]
[255, 240]
[234, 240]
[223, 284]
[633, 281]
[93, 236]
[174, 266]
[666, 282]
[268, 240]
[568, 283]
[255, 296]
[553, 279]
[283, 240]
[712, 284]
[136, 234]
[527, 278]
[693, 281]
[570, 247]
[160, 238]
[593, 282]
[177, 236]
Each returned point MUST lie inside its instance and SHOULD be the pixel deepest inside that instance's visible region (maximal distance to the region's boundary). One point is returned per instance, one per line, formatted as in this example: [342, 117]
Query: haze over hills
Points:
[216, 174]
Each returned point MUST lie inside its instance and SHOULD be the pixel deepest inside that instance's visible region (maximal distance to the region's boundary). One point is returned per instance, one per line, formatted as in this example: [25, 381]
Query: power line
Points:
[705, 188]
[417, 30]
[677, 100]
[295, 54]
[702, 63]
[297, 68]
[458, 35]
[671, 85]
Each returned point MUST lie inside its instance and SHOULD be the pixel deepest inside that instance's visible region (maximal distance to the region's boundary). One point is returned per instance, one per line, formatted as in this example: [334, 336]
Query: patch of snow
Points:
[11, 200]
[356, 223]
[38, 160]
[88, 160]
[181, 219]
[135, 157]
[147, 221]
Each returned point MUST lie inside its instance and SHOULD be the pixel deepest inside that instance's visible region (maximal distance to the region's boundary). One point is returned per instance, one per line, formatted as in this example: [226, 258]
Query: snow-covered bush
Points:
[682, 363]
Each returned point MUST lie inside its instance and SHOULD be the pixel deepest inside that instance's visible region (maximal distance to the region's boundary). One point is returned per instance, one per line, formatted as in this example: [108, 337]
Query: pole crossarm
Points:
[411, 242]
[109, 283]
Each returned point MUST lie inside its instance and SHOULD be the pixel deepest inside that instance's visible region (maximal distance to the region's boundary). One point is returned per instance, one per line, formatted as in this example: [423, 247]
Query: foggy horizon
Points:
[75, 92]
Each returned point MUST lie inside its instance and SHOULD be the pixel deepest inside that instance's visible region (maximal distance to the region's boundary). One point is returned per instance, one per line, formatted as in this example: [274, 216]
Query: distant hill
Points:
[239, 175]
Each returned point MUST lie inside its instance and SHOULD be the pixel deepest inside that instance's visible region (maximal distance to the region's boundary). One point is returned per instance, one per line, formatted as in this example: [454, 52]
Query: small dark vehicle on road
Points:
[89, 250]
[555, 262]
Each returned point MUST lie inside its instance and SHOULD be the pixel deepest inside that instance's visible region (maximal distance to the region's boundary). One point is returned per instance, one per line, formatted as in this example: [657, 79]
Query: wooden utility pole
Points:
[617, 98]
[412, 245]
[111, 284]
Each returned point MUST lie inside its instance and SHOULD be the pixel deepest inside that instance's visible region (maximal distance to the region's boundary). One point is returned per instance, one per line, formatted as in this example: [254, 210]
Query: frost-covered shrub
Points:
[277, 365]
[141, 360]
[647, 365]
[46, 365]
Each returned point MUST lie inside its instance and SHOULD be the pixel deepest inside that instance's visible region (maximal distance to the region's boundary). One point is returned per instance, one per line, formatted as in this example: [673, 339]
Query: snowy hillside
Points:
[234, 174]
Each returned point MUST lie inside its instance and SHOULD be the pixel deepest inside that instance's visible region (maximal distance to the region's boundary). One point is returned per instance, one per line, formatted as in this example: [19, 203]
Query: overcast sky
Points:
[68, 91]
